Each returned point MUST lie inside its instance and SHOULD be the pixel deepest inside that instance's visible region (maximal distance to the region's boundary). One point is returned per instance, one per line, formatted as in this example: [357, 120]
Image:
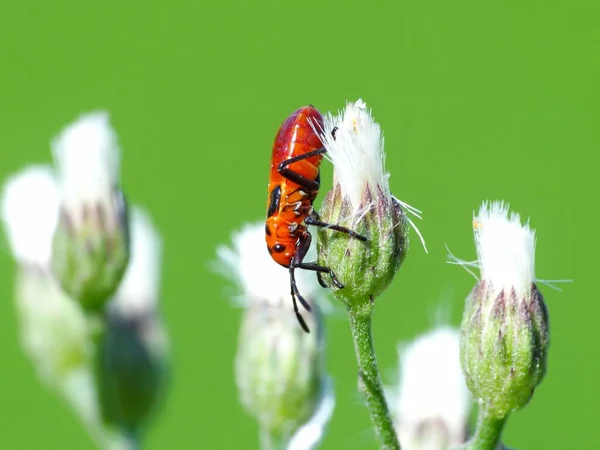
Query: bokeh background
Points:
[477, 99]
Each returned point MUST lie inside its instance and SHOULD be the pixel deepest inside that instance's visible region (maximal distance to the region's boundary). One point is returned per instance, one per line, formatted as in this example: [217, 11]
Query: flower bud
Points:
[279, 368]
[132, 350]
[53, 329]
[432, 403]
[361, 201]
[90, 248]
[504, 332]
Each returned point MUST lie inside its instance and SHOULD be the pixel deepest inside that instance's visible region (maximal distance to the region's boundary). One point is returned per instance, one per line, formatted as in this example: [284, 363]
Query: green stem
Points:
[270, 440]
[369, 379]
[488, 432]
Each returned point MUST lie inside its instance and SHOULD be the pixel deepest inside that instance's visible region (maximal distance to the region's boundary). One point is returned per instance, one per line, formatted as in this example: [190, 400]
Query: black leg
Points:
[320, 280]
[321, 269]
[314, 220]
[301, 250]
[299, 317]
[311, 185]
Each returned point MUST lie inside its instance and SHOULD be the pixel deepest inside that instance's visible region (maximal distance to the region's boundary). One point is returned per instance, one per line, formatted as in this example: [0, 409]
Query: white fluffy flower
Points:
[261, 279]
[87, 159]
[139, 290]
[432, 403]
[505, 247]
[354, 142]
[30, 212]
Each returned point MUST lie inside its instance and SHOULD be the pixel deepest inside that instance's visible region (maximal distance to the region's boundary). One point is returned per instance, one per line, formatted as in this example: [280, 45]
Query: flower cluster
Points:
[87, 284]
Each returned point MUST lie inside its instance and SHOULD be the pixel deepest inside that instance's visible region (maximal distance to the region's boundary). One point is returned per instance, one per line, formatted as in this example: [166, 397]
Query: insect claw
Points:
[321, 281]
[335, 280]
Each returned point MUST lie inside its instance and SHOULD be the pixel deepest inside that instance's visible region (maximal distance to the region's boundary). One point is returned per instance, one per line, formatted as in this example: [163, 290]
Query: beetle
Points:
[293, 186]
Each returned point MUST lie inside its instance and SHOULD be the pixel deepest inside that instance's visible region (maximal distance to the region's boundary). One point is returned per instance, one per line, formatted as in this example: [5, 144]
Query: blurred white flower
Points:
[133, 351]
[58, 336]
[260, 279]
[139, 290]
[90, 244]
[87, 159]
[30, 202]
[279, 368]
[432, 403]
[54, 331]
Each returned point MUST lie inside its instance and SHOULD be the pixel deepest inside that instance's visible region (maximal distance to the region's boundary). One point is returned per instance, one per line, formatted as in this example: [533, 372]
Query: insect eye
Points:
[279, 248]
[333, 132]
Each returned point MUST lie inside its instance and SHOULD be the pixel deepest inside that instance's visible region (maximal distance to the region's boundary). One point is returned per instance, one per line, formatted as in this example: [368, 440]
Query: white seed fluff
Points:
[356, 151]
[30, 202]
[87, 159]
[248, 263]
[506, 249]
[432, 387]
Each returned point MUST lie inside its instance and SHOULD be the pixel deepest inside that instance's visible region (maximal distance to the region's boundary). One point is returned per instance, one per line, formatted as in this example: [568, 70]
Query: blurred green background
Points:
[477, 99]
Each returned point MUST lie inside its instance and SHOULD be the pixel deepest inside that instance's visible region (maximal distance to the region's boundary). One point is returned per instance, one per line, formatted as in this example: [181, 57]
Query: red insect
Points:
[293, 186]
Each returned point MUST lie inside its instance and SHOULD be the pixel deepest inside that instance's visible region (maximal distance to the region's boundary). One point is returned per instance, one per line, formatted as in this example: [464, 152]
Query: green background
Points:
[477, 99]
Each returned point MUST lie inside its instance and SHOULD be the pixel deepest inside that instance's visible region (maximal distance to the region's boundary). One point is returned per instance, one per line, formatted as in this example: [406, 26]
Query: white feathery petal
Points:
[356, 151]
[87, 158]
[432, 387]
[311, 433]
[139, 289]
[30, 203]
[248, 263]
[506, 249]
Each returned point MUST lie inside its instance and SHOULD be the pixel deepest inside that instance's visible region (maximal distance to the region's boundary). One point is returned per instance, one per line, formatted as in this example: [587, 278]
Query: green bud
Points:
[90, 251]
[365, 268]
[279, 368]
[504, 346]
[130, 371]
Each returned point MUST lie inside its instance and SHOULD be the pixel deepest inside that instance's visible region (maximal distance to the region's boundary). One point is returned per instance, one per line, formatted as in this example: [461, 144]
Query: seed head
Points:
[360, 201]
[505, 329]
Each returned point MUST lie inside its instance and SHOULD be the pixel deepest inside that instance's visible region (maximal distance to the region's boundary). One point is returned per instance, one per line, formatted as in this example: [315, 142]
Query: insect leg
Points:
[320, 280]
[297, 178]
[321, 269]
[313, 219]
[301, 250]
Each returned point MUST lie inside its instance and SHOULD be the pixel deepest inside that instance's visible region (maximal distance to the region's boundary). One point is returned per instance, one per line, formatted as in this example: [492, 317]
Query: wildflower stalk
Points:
[369, 380]
[361, 201]
[488, 432]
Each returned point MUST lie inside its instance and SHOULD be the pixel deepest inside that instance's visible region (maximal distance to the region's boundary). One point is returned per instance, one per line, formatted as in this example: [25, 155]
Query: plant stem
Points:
[488, 432]
[369, 380]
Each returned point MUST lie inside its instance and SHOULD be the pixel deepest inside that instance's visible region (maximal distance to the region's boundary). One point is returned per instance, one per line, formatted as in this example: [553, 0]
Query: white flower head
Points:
[505, 248]
[87, 159]
[261, 279]
[432, 389]
[139, 290]
[30, 213]
[354, 142]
